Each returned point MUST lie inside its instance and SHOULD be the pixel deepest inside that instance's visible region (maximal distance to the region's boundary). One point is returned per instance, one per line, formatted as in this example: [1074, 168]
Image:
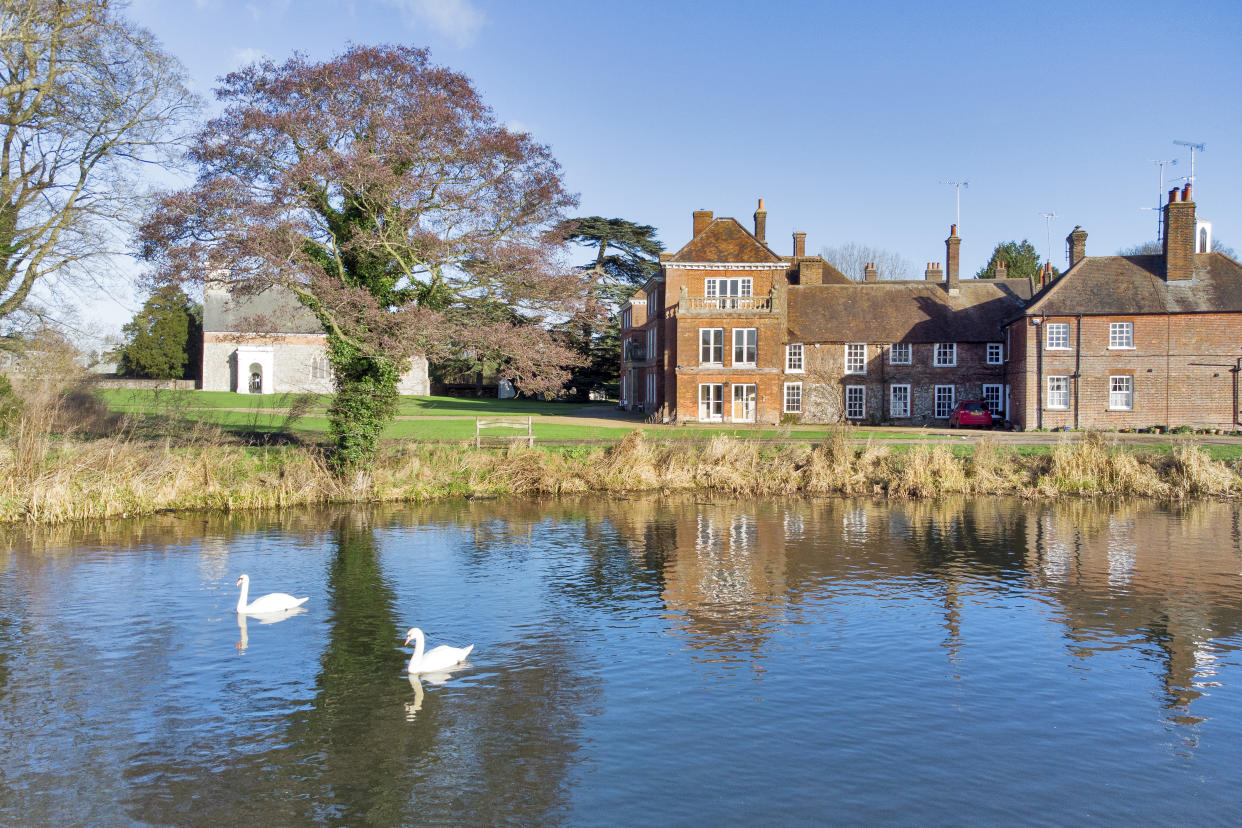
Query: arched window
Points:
[256, 378]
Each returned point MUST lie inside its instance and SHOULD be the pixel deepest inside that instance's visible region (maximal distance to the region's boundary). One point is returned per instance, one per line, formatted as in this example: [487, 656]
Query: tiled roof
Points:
[904, 311]
[725, 240]
[1117, 285]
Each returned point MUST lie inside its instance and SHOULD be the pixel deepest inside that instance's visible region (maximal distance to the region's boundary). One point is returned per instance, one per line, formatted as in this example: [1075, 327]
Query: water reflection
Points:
[586, 613]
[262, 618]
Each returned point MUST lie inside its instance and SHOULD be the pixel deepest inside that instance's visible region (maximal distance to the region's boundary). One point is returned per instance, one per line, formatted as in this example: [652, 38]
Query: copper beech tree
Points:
[381, 191]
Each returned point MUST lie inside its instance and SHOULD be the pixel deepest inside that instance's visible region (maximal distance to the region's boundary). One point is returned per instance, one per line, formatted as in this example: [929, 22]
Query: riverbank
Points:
[47, 480]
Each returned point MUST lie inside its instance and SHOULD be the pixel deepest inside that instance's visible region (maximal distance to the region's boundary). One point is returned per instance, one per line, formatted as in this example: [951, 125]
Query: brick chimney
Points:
[811, 272]
[1179, 235]
[952, 251]
[1002, 270]
[1045, 274]
[933, 272]
[1076, 241]
[702, 218]
[870, 273]
[761, 222]
[799, 245]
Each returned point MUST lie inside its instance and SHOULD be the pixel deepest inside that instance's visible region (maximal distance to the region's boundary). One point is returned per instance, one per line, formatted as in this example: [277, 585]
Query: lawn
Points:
[452, 419]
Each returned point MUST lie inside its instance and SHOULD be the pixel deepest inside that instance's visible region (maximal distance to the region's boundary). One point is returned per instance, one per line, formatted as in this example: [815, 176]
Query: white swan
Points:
[434, 661]
[274, 602]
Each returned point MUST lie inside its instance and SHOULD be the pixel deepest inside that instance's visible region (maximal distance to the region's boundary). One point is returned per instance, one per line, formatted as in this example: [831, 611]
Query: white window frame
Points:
[1062, 329]
[711, 410]
[651, 343]
[996, 353]
[945, 397]
[1121, 336]
[894, 410]
[649, 400]
[745, 348]
[728, 290]
[713, 345]
[1057, 385]
[904, 349]
[626, 316]
[794, 358]
[739, 394]
[792, 398]
[855, 402]
[946, 358]
[856, 358]
[1121, 394]
[998, 396]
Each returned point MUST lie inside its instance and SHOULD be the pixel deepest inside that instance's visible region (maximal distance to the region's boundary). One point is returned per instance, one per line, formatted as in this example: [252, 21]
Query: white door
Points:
[711, 401]
[744, 399]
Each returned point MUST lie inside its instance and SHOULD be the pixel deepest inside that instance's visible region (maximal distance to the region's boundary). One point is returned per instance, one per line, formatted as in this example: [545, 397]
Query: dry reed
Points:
[50, 474]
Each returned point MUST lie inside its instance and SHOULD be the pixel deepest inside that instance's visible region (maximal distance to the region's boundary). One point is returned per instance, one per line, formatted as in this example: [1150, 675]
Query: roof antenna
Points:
[1048, 217]
[957, 186]
[1193, 146]
[1159, 208]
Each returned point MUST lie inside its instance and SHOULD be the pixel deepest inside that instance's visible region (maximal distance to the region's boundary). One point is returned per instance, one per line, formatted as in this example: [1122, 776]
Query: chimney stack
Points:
[952, 250]
[761, 222]
[702, 218]
[869, 272]
[933, 272]
[1077, 242]
[1179, 235]
[1002, 270]
[799, 245]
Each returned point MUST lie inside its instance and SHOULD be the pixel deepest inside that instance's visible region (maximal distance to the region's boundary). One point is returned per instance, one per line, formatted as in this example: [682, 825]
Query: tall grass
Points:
[65, 460]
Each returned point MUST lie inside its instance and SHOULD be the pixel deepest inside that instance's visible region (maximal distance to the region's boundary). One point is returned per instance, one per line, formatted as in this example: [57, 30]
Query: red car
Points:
[971, 413]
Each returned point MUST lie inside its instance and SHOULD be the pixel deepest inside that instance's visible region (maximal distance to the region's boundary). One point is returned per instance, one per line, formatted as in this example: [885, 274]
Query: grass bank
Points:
[49, 473]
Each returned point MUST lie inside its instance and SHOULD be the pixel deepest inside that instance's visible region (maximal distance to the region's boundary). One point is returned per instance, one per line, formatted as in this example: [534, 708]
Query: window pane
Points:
[793, 357]
[793, 398]
[856, 358]
[899, 396]
[944, 400]
[899, 353]
[855, 402]
[1058, 335]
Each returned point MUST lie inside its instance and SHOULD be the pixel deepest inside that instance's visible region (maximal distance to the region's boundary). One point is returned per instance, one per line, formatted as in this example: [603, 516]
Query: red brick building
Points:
[1133, 341]
[731, 331]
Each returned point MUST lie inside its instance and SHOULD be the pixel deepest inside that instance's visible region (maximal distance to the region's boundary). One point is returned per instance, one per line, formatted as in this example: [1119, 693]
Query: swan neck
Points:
[416, 660]
[245, 593]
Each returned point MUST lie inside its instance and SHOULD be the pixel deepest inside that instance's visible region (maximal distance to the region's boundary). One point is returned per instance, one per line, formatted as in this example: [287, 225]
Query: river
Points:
[648, 661]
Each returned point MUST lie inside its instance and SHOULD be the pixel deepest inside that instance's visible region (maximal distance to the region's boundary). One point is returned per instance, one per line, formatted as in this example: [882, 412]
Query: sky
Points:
[848, 119]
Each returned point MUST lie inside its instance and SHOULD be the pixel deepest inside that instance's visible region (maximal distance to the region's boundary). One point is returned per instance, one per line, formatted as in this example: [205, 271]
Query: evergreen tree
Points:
[164, 339]
[626, 256]
[1021, 258]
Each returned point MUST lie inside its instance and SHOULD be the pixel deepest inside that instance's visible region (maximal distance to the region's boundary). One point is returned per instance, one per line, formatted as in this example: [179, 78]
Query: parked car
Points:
[971, 413]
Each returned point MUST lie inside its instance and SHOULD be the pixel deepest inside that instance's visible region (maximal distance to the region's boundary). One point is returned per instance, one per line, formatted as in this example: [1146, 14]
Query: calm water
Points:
[641, 662]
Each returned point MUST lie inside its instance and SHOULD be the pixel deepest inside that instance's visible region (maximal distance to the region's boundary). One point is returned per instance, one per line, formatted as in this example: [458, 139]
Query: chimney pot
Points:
[761, 223]
[1179, 235]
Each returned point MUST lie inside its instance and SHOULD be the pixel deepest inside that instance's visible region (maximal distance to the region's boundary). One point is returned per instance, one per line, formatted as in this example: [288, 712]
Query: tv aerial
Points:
[957, 199]
[1048, 218]
[1192, 146]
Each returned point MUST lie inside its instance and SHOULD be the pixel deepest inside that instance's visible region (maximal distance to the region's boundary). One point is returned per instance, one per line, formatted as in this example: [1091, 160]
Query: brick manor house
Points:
[730, 331]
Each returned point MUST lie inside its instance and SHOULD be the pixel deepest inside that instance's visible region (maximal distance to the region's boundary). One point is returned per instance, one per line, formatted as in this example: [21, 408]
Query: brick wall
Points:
[825, 380]
[1183, 369]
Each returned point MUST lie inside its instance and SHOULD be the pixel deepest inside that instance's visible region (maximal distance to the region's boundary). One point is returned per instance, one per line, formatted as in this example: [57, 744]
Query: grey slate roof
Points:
[274, 310]
[904, 311]
[1120, 285]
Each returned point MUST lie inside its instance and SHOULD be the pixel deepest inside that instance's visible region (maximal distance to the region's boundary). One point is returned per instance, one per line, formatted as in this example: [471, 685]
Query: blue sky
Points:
[844, 117]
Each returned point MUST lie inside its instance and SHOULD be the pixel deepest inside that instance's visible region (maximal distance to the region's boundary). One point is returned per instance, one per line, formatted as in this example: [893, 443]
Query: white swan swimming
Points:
[437, 660]
[273, 602]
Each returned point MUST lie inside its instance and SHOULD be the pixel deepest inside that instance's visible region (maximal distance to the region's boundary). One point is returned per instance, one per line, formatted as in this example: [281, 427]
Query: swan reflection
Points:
[263, 618]
[416, 681]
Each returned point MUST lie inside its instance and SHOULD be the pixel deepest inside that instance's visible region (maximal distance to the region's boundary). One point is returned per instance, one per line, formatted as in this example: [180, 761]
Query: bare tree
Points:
[851, 258]
[86, 99]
